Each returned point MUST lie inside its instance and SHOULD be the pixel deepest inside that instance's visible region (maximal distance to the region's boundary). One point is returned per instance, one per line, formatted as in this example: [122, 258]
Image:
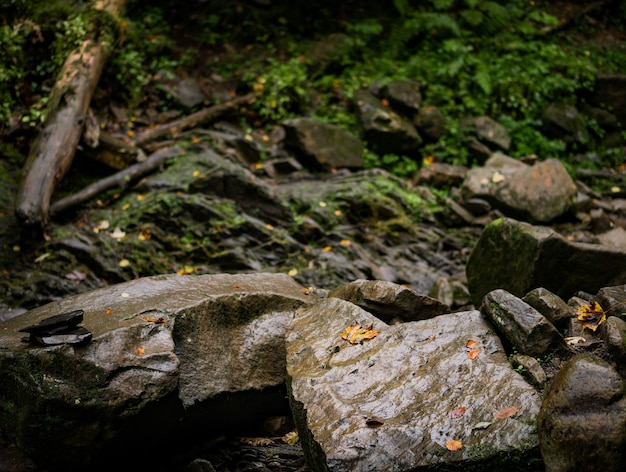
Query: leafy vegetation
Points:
[507, 59]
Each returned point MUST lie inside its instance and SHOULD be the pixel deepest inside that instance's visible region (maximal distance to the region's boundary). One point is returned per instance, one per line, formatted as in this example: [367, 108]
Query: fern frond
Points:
[482, 77]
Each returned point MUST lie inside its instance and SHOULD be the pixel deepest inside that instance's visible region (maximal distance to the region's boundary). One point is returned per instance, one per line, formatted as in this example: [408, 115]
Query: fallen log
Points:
[53, 151]
[121, 179]
[203, 116]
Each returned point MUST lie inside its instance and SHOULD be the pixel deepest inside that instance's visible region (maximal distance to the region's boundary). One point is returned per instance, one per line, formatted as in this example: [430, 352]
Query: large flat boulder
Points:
[168, 354]
[393, 402]
[519, 257]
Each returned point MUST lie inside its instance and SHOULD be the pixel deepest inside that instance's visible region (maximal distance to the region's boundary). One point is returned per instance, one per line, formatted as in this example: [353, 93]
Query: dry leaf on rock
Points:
[506, 412]
[473, 354]
[291, 438]
[453, 445]
[457, 412]
[355, 334]
[592, 315]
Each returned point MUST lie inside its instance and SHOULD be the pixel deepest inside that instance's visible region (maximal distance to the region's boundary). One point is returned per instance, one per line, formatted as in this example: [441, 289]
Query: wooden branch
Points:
[195, 119]
[120, 179]
[53, 151]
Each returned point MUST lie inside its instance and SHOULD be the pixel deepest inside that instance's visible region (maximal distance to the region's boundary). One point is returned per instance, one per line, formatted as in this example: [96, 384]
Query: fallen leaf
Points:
[506, 412]
[482, 425]
[327, 249]
[145, 234]
[471, 344]
[292, 272]
[355, 334]
[269, 226]
[124, 263]
[374, 422]
[156, 320]
[118, 233]
[108, 311]
[497, 177]
[457, 412]
[345, 242]
[473, 354]
[140, 351]
[575, 340]
[453, 445]
[592, 315]
[255, 442]
[291, 438]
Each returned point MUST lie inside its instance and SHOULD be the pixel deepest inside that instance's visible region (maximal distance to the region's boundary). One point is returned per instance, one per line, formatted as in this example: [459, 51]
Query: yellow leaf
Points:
[591, 315]
[355, 334]
[291, 438]
[327, 249]
[140, 351]
[453, 445]
[345, 242]
[124, 263]
[292, 272]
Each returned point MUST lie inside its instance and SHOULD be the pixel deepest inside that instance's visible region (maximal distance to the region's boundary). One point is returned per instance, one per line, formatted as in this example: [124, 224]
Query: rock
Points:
[386, 131]
[538, 193]
[524, 327]
[386, 300]
[488, 131]
[533, 370]
[392, 402]
[329, 53]
[276, 167]
[609, 92]
[170, 356]
[322, 145]
[581, 422]
[440, 174]
[404, 96]
[562, 121]
[615, 237]
[612, 299]
[614, 335]
[519, 257]
[549, 305]
[188, 92]
[430, 123]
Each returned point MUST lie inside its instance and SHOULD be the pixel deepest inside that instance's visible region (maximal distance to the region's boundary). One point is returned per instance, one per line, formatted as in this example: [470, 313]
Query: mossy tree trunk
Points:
[53, 151]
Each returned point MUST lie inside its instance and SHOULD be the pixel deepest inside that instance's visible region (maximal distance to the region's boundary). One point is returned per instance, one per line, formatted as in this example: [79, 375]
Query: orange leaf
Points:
[471, 344]
[457, 412]
[355, 334]
[140, 351]
[473, 354]
[453, 444]
[592, 315]
[507, 412]
[108, 311]
[156, 320]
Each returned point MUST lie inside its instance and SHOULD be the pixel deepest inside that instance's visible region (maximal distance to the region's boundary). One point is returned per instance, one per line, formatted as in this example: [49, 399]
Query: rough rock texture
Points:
[387, 300]
[488, 131]
[386, 131]
[614, 334]
[538, 193]
[549, 305]
[389, 404]
[523, 326]
[403, 95]
[161, 346]
[562, 121]
[322, 145]
[519, 257]
[582, 422]
[430, 123]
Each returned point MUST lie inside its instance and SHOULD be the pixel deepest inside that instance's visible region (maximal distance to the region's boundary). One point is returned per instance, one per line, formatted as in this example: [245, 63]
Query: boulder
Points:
[538, 193]
[528, 331]
[582, 422]
[614, 334]
[387, 300]
[393, 402]
[403, 96]
[549, 305]
[386, 131]
[322, 145]
[430, 123]
[170, 356]
[518, 257]
[562, 121]
[488, 131]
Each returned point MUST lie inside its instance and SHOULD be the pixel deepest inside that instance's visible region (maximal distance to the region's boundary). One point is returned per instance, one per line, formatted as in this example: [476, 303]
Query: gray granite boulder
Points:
[582, 422]
[518, 257]
[170, 355]
[393, 402]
